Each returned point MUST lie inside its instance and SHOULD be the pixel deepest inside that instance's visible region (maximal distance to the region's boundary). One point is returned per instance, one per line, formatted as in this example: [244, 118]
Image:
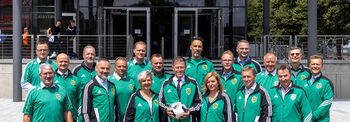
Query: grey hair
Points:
[45, 66]
[270, 53]
[143, 75]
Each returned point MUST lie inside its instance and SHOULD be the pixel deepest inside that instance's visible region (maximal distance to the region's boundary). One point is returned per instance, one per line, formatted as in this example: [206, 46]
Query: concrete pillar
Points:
[17, 44]
[312, 27]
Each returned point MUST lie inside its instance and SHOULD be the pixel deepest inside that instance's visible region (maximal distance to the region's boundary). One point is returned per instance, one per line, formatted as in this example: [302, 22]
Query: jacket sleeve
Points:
[162, 102]
[305, 108]
[86, 102]
[26, 77]
[197, 102]
[227, 109]
[234, 116]
[116, 112]
[324, 107]
[266, 107]
[130, 110]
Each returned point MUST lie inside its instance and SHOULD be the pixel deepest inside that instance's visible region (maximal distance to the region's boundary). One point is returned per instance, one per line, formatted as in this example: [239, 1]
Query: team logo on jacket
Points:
[276, 96]
[82, 75]
[319, 85]
[188, 91]
[188, 66]
[275, 83]
[205, 67]
[215, 105]
[113, 90]
[303, 77]
[254, 99]
[293, 96]
[240, 97]
[130, 86]
[56, 81]
[234, 81]
[58, 96]
[156, 102]
[72, 82]
[305, 85]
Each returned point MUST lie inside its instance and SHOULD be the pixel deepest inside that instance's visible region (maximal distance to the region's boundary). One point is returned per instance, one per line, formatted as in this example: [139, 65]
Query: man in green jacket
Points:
[299, 71]
[252, 101]
[48, 102]
[320, 89]
[71, 83]
[230, 78]
[268, 78]
[159, 75]
[289, 101]
[30, 77]
[198, 66]
[125, 87]
[99, 96]
[86, 70]
[243, 59]
[180, 88]
[138, 64]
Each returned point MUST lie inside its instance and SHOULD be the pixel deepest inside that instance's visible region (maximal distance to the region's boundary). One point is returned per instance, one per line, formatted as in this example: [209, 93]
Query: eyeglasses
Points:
[295, 54]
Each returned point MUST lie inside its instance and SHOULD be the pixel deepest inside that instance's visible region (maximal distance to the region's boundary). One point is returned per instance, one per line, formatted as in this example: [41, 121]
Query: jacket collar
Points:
[87, 68]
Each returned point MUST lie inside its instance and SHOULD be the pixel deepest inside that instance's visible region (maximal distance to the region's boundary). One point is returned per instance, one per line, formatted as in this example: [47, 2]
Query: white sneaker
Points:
[53, 55]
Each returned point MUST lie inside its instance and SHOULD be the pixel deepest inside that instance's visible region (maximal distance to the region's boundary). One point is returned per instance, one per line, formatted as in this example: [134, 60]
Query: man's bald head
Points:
[62, 61]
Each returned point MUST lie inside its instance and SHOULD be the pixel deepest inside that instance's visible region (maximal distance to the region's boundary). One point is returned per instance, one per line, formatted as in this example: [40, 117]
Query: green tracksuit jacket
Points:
[30, 77]
[300, 75]
[198, 70]
[47, 104]
[190, 97]
[251, 62]
[135, 68]
[258, 104]
[158, 81]
[267, 80]
[232, 84]
[125, 88]
[138, 109]
[84, 73]
[320, 96]
[219, 109]
[97, 103]
[295, 106]
[71, 84]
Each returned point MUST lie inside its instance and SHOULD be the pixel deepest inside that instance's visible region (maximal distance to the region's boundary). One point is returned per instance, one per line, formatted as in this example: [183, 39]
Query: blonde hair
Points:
[228, 52]
[217, 77]
[316, 57]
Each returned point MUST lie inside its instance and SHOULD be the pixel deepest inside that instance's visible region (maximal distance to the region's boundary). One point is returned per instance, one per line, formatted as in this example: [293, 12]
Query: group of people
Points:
[140, 90]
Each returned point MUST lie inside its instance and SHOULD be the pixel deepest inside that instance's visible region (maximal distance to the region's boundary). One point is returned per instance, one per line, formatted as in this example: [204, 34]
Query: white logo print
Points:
[276, 96]
[188, 66]
[98, 91]
[139, 105]
[169, 91]
[56, 81]
[82, 75]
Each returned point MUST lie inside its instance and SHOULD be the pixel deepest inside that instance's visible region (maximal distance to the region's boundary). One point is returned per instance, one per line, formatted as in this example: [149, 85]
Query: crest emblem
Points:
[303, 77]
[156, 102]
[188, 91]
[72, 82]
[293, 96]
[275, 83]
[254, 99]
[205, 67]
[215, 105]
[58, 96]
[234, 81]
[319, 85]
[130, 86]
[113, 90]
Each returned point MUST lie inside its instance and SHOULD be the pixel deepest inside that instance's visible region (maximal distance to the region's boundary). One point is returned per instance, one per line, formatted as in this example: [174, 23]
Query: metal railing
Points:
[330, 46]
[113, 45]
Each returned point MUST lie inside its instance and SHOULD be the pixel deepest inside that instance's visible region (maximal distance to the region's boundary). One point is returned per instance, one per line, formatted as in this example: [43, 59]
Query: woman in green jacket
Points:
[216, 104]
[143, 105]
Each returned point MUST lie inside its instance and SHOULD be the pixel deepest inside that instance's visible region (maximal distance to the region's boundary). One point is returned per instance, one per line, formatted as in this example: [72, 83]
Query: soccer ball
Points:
[178, 109]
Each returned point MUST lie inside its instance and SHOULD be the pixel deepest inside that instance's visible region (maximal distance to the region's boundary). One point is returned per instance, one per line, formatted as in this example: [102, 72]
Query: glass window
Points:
[131, 3]
[46, 2]
[238, 2]
[191, 2]
[239, 17]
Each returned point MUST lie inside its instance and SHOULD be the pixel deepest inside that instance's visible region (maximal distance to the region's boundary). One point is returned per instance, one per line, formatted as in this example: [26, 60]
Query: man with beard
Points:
[243, 60]
[321, 90]
[159, 75]
[197, 66]
[299, 72]
[138, 64]
[289, 101]
[48, 102]
[99, 96]
[30, 77]
[86, 70]
[268, 78]
[125, 87]
[65, 78]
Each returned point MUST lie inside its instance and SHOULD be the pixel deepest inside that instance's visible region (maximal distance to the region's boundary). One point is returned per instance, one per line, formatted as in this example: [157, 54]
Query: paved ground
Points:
[12, 111]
